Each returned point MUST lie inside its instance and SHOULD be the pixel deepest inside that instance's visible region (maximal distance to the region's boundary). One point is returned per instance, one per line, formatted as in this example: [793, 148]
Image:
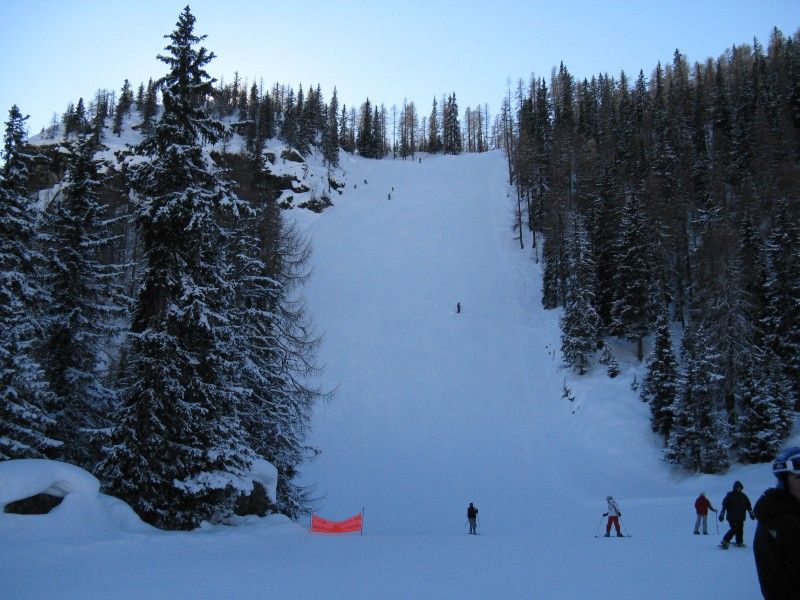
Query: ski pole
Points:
[598, 526]
[625, 530]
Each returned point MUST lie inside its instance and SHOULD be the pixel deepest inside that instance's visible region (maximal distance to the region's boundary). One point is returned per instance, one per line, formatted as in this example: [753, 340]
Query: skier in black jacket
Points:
[776, 544]
[472, 517]
[736, 505]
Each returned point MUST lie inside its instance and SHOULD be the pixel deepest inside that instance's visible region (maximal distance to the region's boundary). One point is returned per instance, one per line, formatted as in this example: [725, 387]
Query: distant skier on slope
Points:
[736, 505]
[472, 517]
[613, 515]
[458, 307]
[701, 506]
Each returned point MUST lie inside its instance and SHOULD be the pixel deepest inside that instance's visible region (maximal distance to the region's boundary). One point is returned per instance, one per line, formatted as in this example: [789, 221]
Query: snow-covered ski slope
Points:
[434, 410]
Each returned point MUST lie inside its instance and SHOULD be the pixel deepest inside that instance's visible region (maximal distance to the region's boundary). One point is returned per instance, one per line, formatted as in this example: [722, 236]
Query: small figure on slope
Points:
[458, 307]
[613, 515]
[702, 505]
[472, 517]
[737, 506]
[776, 544]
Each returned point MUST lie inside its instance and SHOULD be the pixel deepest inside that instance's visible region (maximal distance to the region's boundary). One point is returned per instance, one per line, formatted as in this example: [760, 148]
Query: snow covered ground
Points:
[434, 410]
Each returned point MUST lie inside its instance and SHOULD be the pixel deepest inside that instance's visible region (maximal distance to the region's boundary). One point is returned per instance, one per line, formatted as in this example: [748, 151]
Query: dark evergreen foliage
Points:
[24, 397]
[632, 310]
[782, 290]
[124, 106]
[434, 135]
[699, 437]
[452, 142]
[766, 412]
[660, 384]
[685, 182]
[149, 108]
[330, 134]
[580, 323]
[366, 135]
[85, 303]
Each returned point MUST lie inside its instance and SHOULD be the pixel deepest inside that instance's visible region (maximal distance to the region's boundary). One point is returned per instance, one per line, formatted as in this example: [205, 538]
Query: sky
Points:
[56, 51]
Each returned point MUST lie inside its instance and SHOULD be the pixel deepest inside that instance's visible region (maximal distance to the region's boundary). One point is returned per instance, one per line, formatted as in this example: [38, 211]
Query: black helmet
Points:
[737, 486]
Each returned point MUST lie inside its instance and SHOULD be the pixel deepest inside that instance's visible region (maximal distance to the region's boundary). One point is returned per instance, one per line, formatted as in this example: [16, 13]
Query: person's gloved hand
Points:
[721, 517]
[605, 514]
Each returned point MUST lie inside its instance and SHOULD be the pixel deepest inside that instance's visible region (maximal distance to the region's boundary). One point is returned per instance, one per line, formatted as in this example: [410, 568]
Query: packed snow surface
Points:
[433, 410]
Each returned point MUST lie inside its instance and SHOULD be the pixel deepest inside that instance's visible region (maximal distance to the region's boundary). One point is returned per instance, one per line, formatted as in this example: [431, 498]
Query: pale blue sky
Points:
[54, 51]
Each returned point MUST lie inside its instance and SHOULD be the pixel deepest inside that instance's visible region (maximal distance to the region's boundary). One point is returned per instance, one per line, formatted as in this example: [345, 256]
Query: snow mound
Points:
[84, 512]
[27, 477]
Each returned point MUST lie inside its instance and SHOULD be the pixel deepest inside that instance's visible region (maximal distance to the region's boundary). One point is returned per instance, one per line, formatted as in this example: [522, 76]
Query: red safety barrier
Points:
[354, 523]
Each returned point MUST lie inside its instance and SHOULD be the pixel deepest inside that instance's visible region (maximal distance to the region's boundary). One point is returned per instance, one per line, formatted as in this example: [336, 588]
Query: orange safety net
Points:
[354, 523]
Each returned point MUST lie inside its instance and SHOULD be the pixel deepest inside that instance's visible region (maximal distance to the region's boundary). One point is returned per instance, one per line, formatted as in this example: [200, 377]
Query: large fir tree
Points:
[330, 134]
[633, 309]
[580, 323]
[660, 384]
[178, 447]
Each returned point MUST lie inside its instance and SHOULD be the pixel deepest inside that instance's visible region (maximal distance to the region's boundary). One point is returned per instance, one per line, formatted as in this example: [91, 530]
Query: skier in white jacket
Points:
[613, 515]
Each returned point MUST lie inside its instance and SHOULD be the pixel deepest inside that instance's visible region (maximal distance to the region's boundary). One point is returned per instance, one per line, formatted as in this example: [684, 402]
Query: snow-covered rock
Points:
[22, 478]
[84, 512]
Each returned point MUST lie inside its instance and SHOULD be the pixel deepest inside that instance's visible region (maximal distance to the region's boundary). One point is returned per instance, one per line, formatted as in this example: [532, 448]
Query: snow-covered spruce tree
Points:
[782, 312]
[83, 310]
[764, 394]
[178, 446]
[276, 344]
[765, 412]
[723, 306]
[580, 323]
[607, 359]
[660, 384]
[632, 311]
[699, 427]
[24, 397]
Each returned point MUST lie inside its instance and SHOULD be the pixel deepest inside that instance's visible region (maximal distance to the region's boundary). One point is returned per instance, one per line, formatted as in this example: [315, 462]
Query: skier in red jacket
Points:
[702, 506]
